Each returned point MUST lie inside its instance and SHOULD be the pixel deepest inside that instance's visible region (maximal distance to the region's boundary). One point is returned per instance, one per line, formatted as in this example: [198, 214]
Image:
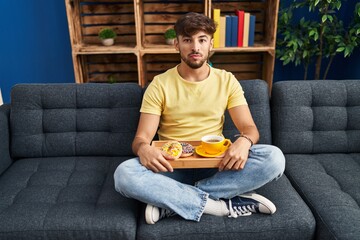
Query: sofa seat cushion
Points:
[329, 183]
[65, 198]
[292, 219]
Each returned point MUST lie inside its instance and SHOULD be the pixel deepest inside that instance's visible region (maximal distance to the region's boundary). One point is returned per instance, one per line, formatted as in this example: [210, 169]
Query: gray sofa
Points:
[60, 144]
[317, 125]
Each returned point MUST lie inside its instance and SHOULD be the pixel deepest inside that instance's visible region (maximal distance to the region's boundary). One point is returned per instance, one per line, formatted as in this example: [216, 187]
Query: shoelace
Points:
[166, 213]
[235, 212]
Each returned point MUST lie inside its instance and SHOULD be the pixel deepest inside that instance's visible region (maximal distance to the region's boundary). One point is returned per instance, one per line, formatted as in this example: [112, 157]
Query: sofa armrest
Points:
[5, 159]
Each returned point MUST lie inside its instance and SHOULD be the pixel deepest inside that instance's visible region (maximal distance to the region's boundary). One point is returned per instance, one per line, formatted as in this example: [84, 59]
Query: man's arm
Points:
[244, 122]
[237, 154]
[150, 157]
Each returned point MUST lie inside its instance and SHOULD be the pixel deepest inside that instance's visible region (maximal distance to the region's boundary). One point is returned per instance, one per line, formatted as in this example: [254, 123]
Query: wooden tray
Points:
[194, 161]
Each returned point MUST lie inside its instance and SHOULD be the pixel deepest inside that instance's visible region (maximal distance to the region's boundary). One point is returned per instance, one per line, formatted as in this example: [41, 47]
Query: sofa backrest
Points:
[257, 96]
[321, 116]
[49, 120]
[74, 119]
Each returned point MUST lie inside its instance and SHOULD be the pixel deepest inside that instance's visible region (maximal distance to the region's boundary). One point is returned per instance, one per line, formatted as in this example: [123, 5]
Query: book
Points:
[234, 31]
[252, 30]
[228, 31]
[222, 30]
[240, 15]
[246, 29]
[216, 17]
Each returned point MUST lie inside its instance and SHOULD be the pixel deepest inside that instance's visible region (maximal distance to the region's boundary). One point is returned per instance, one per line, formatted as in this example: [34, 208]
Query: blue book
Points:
[228, 31]
[234, 31]
[252, 30]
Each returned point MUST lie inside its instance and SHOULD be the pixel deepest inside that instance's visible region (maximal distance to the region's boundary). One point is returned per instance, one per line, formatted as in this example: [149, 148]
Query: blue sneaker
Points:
[246, 204]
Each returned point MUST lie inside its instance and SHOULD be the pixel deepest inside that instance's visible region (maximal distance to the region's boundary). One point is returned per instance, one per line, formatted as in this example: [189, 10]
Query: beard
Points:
[192, 64]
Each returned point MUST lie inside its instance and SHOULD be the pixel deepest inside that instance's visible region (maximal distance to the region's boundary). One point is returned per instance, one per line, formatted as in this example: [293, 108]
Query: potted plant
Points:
[112, 79]
[107, 36]
[310, 41]
[170, 36]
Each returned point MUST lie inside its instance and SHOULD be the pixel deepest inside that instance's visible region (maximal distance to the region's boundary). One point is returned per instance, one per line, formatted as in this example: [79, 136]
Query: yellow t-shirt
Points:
[190, 110]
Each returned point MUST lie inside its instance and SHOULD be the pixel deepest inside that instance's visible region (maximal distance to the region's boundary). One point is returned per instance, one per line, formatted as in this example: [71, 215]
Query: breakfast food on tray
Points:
[187, 149]
[172, 148]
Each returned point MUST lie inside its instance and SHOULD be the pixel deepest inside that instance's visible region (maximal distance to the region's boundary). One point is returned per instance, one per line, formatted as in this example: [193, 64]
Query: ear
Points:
[176, 44]
[211, 44]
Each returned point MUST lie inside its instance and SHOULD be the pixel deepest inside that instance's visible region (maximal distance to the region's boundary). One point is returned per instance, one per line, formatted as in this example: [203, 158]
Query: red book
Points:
[240, 15]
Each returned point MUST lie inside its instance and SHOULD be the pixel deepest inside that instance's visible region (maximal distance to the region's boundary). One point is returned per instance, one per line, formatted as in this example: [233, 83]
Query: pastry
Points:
[172, 148]
[187, 149]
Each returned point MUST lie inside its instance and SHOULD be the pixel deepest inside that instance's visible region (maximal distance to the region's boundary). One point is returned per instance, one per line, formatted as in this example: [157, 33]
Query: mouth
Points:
[195, 55]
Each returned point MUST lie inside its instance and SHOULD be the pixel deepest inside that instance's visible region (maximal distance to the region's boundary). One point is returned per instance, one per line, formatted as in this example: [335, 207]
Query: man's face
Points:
[194, 50]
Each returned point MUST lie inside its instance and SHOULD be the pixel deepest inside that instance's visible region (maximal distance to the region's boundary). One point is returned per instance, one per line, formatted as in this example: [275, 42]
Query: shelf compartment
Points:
[264, 10]
[158, 16]
[154, 64]
[109, 68]
[94, 15]
[244, 66]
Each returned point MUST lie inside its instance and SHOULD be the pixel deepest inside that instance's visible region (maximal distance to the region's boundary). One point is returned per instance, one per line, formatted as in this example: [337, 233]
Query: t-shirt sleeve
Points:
[236, 94]
[152, 100]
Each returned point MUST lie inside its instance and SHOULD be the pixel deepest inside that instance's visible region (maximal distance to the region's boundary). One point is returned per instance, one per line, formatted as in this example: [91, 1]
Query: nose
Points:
[195, 46]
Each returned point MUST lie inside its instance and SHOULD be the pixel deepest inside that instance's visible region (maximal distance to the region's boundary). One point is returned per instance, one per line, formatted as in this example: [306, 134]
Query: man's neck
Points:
[193, 75]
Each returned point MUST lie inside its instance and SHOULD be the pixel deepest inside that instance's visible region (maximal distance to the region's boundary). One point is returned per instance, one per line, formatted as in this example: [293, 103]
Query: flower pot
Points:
[170, 41]
[108, 41]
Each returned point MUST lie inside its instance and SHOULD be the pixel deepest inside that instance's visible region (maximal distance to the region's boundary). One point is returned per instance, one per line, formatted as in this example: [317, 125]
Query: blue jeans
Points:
[185, 191]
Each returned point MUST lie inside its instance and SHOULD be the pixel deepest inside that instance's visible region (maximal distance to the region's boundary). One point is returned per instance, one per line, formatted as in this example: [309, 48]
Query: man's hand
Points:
[154, 159]
[236, 156]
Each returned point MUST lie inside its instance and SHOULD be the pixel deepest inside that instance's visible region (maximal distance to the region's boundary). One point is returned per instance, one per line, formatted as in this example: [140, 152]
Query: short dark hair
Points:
[192, 23]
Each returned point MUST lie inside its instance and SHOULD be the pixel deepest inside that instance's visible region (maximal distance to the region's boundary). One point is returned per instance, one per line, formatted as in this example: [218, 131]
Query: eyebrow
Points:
[203, 36]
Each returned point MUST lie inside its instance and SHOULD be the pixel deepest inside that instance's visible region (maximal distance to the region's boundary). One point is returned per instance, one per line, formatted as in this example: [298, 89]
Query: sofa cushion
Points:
[329, 184]
[292, 220]
[65, 198]
[317, 125]
[50, 120]
[316, 116]
[257, 95]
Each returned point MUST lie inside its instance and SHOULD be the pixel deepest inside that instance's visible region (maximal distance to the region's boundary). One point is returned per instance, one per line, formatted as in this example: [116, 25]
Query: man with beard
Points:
[186, 103]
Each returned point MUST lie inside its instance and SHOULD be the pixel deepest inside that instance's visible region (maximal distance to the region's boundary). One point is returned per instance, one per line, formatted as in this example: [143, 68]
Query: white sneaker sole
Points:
[265, 206]
[149, 214]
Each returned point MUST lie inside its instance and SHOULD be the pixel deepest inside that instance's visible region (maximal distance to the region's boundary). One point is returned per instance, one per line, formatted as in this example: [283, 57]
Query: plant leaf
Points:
[323, 19]
[340, 49]
[305, 53]
[330, 18]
